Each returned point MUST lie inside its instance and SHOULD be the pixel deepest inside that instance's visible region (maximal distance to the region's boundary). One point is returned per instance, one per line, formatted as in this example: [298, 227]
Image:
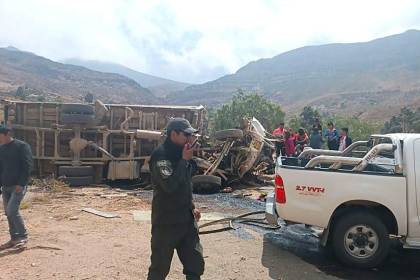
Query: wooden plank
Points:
[100, 213]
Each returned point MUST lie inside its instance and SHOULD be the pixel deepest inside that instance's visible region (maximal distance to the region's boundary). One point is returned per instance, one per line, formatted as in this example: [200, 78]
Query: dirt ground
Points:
[66, 243]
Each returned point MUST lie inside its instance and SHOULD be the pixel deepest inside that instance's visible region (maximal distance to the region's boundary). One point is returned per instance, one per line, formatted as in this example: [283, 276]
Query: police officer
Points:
[173, 213]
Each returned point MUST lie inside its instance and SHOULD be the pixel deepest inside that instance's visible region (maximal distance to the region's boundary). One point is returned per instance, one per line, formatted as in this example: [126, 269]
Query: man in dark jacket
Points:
[315, 140]
[15, 170]
[173, 213]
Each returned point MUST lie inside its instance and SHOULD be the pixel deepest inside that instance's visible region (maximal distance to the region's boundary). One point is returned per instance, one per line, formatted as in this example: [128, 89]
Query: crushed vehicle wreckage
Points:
[88, 143]
[236, 153]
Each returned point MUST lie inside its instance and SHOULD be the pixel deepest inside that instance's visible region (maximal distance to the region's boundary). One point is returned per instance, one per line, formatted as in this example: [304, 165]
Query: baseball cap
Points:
[4, 129]
[180, 124]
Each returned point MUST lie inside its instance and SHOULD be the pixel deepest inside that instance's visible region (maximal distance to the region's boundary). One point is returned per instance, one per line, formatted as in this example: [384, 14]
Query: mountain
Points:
[159, 86]
[18, 68]
[387, 67]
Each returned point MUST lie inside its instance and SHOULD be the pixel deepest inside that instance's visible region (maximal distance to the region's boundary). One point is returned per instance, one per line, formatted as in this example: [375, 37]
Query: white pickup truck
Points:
[360, 202]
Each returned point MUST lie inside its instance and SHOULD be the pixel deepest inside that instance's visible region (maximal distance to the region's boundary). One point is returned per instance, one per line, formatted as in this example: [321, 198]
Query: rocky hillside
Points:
[158, 86]
[25, 69]
[382, 70]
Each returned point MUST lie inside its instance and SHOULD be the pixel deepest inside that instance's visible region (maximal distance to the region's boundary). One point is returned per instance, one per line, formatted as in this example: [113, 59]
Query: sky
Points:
[194, 41]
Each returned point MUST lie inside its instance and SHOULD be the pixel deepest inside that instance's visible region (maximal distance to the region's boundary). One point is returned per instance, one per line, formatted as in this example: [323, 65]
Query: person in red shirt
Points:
[289, 144]
[279, 133]
[279, 130]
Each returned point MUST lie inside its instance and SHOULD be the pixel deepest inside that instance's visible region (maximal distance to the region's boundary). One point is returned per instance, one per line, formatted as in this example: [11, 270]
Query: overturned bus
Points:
[86, 143]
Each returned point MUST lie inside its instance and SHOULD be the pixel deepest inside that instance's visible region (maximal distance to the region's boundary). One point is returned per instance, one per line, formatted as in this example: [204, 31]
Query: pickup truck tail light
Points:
[280, 193]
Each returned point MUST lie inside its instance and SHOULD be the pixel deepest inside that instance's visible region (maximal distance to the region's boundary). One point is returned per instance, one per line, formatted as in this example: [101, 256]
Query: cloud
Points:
[189, 40]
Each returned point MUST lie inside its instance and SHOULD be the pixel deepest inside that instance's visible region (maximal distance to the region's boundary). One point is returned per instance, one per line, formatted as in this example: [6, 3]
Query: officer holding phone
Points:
[174, 217]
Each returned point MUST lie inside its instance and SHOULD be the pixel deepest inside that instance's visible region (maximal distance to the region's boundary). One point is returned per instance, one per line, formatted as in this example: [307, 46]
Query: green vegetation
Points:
[21, 93]
[406, 121]
[89, 98]
[358, 129]
[248, 105]
[305, 119]
[270, 115]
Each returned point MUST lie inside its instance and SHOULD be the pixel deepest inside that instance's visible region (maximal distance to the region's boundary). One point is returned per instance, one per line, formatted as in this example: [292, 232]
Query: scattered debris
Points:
[227, 190]
[142, 216]
[50, 184]
[113, 195]
[212, 216]
[100, 213]
[241, 195]
[241, 219]
[262, 197]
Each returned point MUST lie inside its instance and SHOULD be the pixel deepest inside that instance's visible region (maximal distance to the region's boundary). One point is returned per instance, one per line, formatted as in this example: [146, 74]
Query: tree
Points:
[407, 121]
[295, 123]
[41, 98]
[358, 130]
[89, 98]
[59, 99]
[20, 92]
[246, 106]
[308, 117]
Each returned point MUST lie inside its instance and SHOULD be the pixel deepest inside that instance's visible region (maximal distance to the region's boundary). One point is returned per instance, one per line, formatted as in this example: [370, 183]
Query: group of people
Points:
[291, 143]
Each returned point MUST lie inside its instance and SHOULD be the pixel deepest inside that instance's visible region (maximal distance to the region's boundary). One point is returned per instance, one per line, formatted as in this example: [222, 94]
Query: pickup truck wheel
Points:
[361, 240]
[206, 184]
[222, 135]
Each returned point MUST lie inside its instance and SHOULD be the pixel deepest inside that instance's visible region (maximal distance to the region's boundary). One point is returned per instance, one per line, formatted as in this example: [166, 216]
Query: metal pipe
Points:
[316, 152]
[128, 118]
[354, 145]
[332, 159]
[376, 150]
[360, 163]
[102, 150]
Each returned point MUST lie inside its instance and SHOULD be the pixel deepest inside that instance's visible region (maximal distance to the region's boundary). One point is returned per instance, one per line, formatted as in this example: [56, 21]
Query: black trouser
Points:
[279, 148]
[333, 145]
[182, 237]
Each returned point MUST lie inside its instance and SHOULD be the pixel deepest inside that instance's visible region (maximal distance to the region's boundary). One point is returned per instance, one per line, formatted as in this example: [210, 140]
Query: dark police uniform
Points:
[173, 224]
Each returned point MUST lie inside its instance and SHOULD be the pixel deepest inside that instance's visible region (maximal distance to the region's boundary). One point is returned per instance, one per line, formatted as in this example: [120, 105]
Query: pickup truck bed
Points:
[300, 163]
